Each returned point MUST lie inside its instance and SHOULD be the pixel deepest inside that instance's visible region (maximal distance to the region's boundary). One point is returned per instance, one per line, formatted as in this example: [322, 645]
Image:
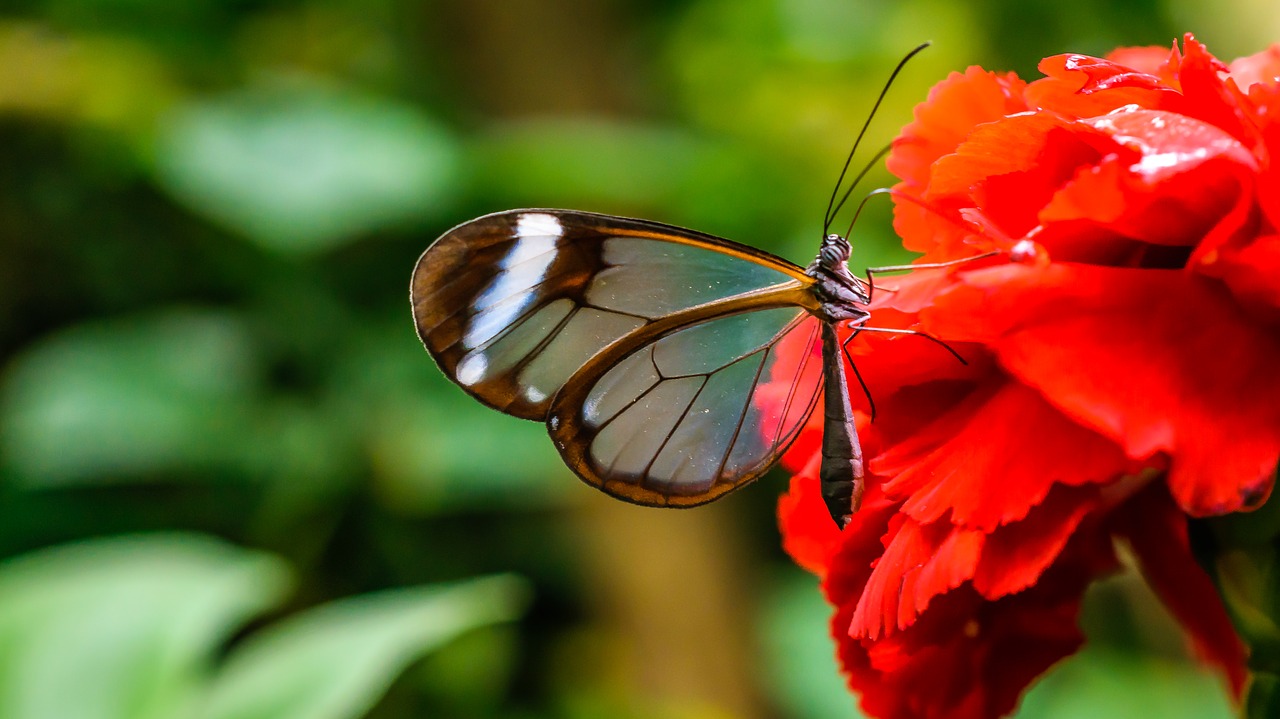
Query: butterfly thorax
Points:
[842, 295]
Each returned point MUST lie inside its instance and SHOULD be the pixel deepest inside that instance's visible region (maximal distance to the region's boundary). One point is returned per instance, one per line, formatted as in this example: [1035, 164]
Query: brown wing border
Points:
[452, 255]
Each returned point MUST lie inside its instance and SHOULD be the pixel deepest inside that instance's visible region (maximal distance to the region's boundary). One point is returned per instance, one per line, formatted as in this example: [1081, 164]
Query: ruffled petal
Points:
[941, 123]
[966, 657]
[1156, 530]
[920, 562]
[1252, 273]
[1206, 94]
[1085, 86]
[1010, 168]
[954, 107]
[808, 534]
[1015, 556]
[1177, 181]
[1190, 83]
[993, 458]
[1157, 360]
[1151, 60]
[1260, 68]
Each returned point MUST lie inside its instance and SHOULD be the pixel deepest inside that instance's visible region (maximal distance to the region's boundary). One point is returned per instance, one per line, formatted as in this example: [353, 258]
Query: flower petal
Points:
[1016, 555]
[966, 657]
[954, 107]
[1157, 360]
[1260, 68]
[1150, 59]
[1251, 273]
[920, 562]
[1084, 86]
[1011, 167]
[941, 123]
[1177, 181]
[1264, 106]
[1156, 530]
[808, 534]
[993, 458]
[1207, 96]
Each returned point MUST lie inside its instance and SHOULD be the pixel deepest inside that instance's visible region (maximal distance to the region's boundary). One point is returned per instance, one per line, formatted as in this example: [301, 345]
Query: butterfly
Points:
[650, 351]
[663, 360]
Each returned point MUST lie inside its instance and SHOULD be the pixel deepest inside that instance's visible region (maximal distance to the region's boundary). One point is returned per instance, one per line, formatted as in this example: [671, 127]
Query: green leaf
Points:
[302, 167]
[128, 396]
[1241, 551]
[334, 662]
[454, 455]
[1263, 700]
[123, 628]
[173, 395]
[800, 655]
[1247, 580]
[630, 168]
[1121, 683]
[433, 449]
[1247, 529]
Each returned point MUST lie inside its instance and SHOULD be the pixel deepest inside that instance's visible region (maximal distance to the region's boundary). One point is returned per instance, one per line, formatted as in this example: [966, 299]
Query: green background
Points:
[232, 483]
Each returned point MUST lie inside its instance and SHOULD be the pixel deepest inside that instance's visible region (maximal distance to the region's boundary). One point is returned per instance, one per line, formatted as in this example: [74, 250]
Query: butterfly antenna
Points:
[832, 208]
[858, 212]
[853, 185]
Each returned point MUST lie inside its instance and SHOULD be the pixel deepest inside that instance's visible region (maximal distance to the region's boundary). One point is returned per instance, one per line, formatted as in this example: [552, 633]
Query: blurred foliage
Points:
[208, 214]
[146, 616]
[1242, 553]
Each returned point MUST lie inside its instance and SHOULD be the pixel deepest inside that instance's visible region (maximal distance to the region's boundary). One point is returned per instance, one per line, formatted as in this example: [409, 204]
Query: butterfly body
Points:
[662, 360]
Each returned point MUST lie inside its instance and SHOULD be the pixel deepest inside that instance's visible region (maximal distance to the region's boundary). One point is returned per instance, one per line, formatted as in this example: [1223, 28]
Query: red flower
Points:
[1118, 384]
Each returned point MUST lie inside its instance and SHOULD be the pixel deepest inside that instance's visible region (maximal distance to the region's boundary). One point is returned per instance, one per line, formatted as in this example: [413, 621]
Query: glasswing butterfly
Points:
[650, 351]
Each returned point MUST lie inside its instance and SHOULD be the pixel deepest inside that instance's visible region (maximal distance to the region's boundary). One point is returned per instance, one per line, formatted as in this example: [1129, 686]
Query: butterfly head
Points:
[842, 295]
[834, 251]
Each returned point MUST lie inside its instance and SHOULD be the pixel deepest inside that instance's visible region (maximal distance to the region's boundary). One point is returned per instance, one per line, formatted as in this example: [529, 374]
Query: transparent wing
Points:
[699, 412]
[512, 304]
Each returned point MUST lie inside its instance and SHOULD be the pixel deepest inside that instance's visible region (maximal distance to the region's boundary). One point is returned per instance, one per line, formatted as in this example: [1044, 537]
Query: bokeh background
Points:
[232, 483]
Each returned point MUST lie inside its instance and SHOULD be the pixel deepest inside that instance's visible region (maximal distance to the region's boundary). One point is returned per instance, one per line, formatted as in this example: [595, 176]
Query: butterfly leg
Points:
[872, 271]
[844, 346]
[917, 333]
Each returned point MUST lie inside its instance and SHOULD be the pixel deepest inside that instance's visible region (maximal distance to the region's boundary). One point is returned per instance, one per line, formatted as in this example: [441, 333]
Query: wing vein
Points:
[607, 310]
[623, 409]
[791, 390]
[519, 366]
[672, 432]
[742, 417]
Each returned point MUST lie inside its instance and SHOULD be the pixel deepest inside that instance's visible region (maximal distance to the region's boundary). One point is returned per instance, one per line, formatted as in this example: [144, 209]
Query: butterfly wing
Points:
[512, 304]
[679, 415]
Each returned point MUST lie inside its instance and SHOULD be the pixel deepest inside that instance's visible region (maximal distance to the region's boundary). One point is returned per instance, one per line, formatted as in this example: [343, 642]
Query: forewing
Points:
[696, 413]
[512, 304]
